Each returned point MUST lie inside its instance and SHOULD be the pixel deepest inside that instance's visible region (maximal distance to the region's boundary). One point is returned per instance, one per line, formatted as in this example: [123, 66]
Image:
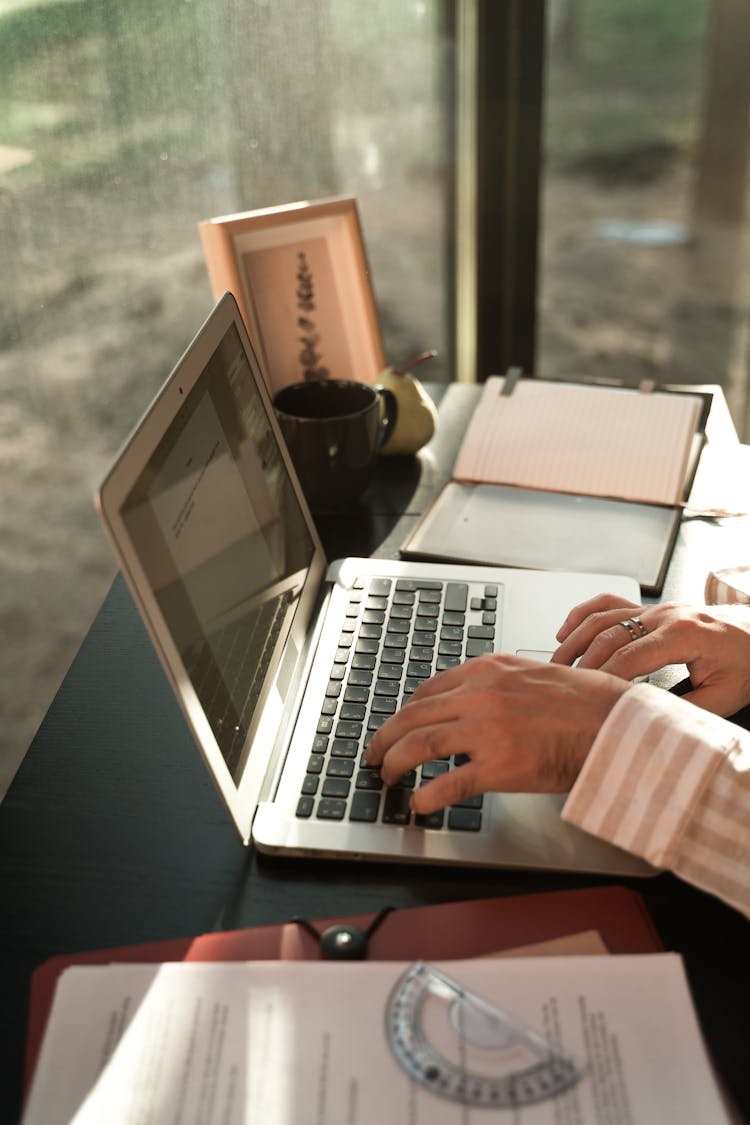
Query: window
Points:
[121, 126]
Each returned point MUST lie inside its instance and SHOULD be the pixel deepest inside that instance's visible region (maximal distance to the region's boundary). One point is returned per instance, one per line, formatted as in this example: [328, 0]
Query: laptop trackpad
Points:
[534, 654]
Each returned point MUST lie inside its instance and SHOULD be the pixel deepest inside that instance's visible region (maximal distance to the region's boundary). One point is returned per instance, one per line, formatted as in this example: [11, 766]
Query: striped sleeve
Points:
[671, 783]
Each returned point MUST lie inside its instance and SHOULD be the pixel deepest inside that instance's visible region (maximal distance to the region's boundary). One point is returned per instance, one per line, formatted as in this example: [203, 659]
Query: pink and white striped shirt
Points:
[671, 783]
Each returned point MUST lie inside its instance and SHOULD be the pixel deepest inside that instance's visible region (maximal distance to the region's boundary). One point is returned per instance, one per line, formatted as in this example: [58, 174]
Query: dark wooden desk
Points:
[112, 832]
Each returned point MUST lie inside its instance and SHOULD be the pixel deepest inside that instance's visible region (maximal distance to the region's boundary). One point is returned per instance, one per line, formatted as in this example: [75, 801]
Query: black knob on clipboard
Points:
[341, 941]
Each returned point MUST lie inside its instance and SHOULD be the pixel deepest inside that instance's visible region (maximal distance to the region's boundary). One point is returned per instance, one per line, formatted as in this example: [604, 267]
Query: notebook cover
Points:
[499, 525]
[449, 930]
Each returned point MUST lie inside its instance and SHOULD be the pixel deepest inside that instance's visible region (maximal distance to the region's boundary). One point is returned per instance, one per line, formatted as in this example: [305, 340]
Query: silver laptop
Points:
[283, 663]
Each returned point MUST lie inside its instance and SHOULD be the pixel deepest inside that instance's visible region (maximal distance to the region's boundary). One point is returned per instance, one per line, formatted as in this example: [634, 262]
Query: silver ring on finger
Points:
[630, 629]
[636, 621]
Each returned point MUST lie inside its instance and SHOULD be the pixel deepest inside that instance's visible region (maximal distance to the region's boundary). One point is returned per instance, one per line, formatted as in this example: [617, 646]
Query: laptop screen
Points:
[223, 541]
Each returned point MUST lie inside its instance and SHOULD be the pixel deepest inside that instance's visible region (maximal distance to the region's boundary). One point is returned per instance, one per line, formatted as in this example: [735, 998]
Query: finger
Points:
[647, 654]
[442, 695]
[426, 744]
[580, 612]
[423, 712]
[595, 638]
[447, 789]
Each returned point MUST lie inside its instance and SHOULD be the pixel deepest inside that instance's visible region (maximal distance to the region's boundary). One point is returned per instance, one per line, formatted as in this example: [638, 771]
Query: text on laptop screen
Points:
[221, 536]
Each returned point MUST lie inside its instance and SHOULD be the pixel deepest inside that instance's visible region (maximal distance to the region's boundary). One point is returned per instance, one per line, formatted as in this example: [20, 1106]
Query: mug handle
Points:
[388, 414]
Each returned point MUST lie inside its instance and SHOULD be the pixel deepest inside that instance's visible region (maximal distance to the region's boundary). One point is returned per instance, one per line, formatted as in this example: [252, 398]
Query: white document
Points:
[567, 437]
[287, 1043]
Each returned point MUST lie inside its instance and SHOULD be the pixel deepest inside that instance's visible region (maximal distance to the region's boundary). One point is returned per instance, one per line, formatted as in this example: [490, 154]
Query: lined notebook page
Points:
[595, 441]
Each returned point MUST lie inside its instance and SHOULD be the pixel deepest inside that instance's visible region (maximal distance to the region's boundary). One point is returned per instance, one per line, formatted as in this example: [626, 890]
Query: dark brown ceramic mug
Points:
[333, 429]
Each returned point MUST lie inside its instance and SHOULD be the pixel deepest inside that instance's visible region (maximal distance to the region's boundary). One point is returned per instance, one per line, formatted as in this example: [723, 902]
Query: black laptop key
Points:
[452, 618]
[356, 694]
[344, 748]
[325, 724]
[364, 806]
[390, 671]
[310, 785]
[424, 637]
[396, 806]
[418, 668]
[469, 803]
[425, 625]
[387, 687]
[429, 597]
[464, 820]
[371, 632]
[331, 808]
[376, 721]
[320, 744]
[360, 677]
[369, 779]
[333, 691]
[373, 617]
[456, 594]
[398, 625]
[383, 705]
[336, 787]
[392, 656]
[315, 763]
[423, 652]
[400, 613]
[434, 769]
[305, 807]
[346, 728]
[351, 711]
[476, 647]
[366, 645]
[430, 820]
[338, 672]
[340, 767]
[380, 586]
[485, 632]
[329, 706]
[363, 660]
[449, 648]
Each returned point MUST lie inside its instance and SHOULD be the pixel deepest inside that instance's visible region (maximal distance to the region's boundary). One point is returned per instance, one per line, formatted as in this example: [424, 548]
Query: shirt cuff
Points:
[645, 773]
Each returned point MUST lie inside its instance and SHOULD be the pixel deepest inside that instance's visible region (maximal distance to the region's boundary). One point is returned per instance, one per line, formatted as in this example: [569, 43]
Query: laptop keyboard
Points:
[398, 633]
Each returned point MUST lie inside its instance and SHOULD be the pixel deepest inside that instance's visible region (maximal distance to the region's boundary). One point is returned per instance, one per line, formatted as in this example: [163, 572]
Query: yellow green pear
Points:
[417, 416]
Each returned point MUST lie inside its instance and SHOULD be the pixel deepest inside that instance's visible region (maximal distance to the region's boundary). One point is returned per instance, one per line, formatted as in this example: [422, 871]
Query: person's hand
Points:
[713, 641]
[526, 728]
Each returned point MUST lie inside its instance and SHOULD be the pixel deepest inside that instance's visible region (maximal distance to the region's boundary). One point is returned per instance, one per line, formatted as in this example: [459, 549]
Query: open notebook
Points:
[284, 665]
[565, 475]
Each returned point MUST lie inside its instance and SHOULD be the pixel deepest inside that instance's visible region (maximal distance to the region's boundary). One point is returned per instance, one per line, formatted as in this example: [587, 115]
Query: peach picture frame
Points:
[300, 276]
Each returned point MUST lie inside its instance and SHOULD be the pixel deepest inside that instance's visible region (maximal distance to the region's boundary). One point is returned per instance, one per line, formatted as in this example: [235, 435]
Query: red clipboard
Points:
[450, 930]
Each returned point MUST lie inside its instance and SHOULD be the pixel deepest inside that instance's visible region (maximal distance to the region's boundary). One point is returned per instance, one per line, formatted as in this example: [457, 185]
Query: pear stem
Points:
[430, 354]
